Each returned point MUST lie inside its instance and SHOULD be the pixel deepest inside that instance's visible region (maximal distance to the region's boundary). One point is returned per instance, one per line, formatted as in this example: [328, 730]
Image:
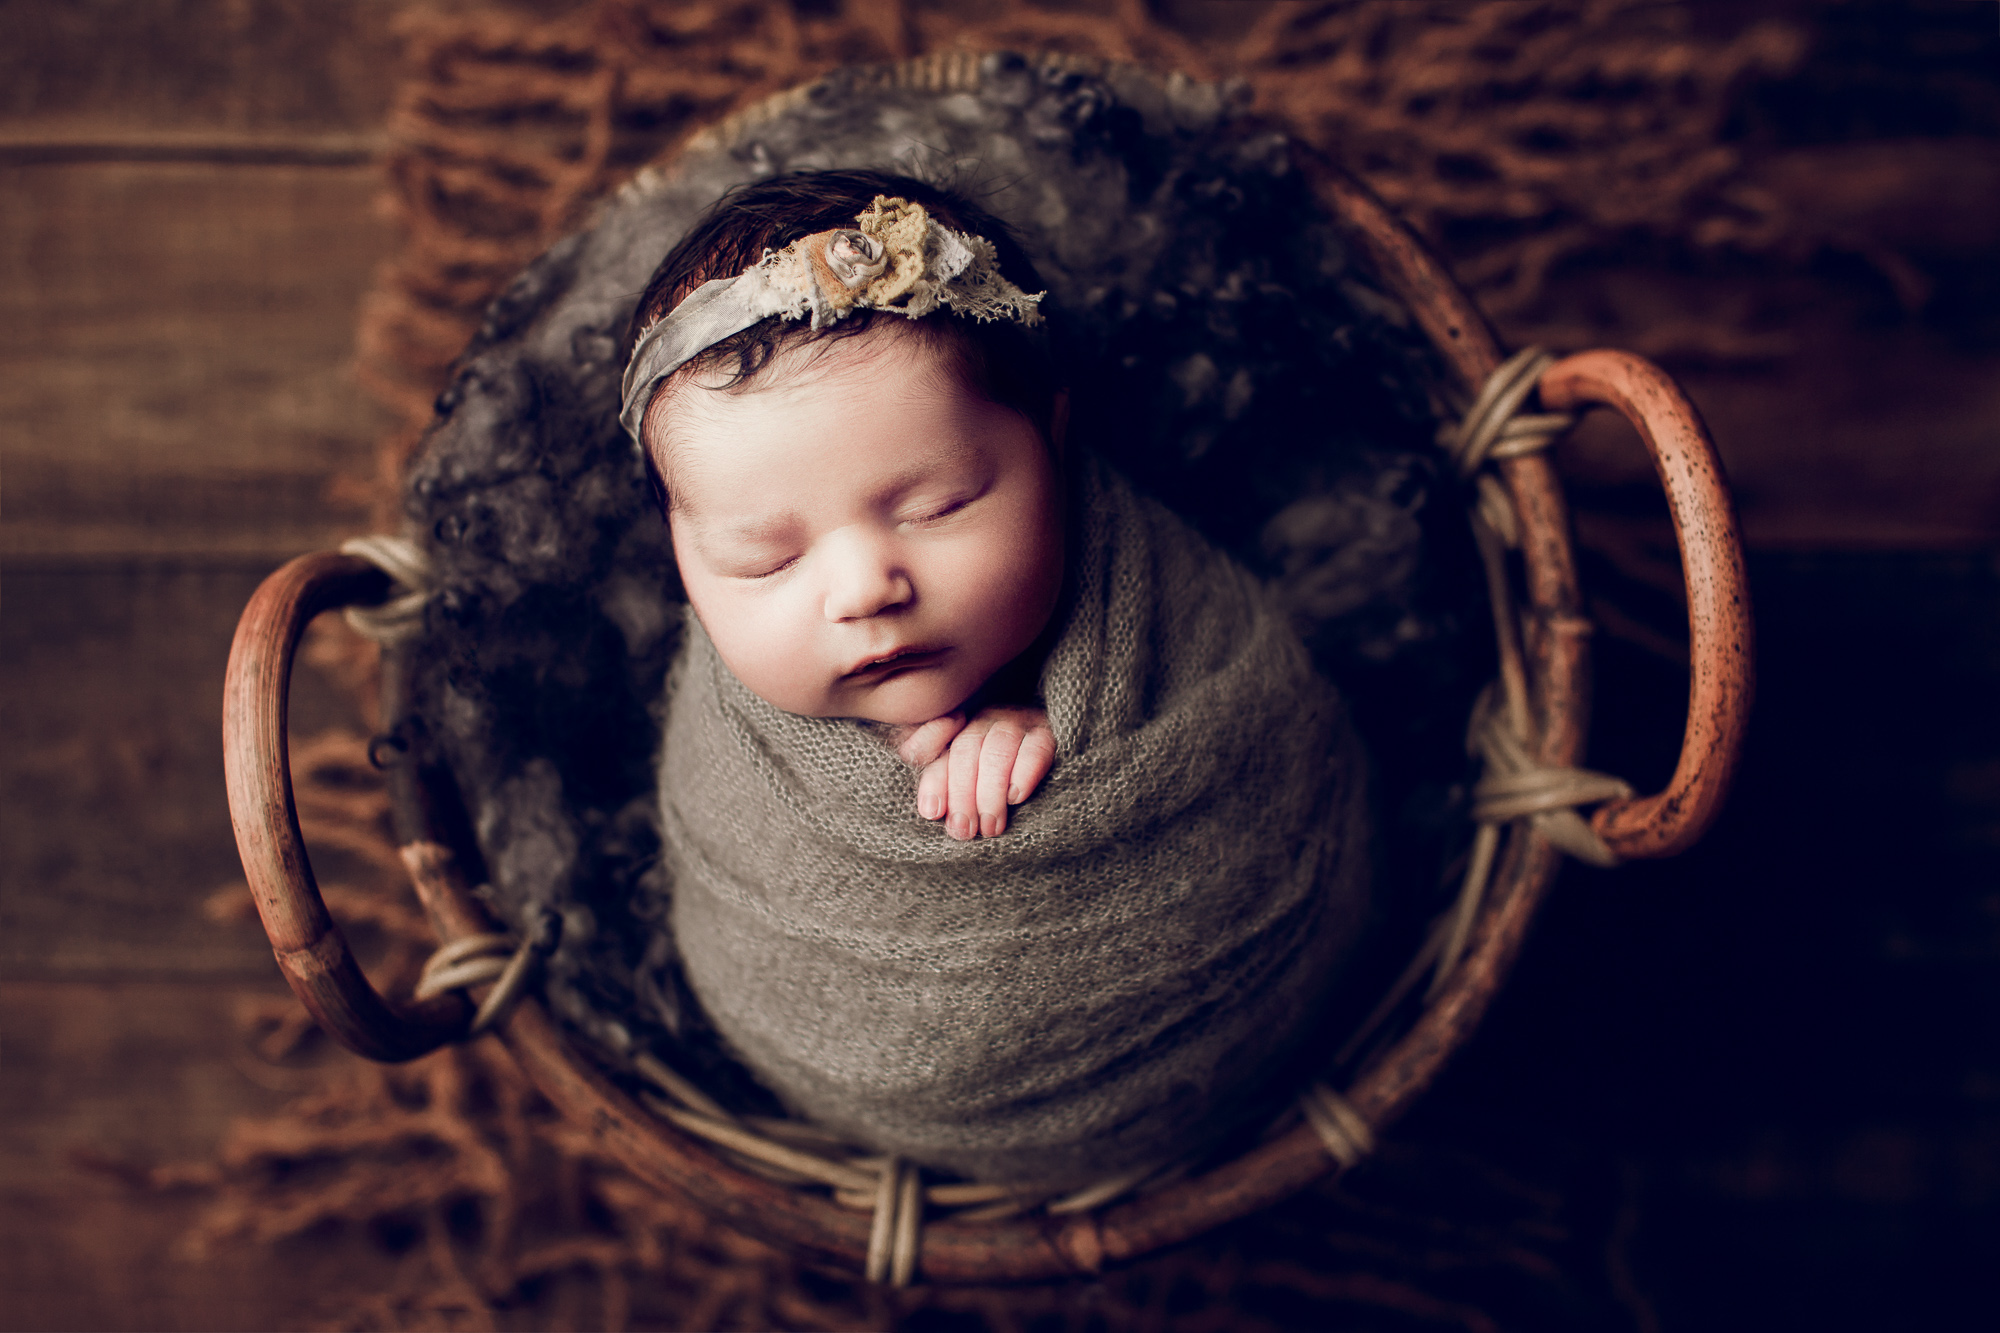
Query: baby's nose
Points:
[865, 577]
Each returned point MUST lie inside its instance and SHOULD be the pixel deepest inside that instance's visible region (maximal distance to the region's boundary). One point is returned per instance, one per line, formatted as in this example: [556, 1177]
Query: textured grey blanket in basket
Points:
[1120, 978]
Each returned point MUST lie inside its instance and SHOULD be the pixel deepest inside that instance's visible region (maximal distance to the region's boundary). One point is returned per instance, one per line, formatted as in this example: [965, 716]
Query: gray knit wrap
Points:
[1117, 979]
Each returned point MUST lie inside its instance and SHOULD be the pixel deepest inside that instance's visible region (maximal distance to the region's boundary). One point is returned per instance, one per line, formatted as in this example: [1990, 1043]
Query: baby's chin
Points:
[900, 713]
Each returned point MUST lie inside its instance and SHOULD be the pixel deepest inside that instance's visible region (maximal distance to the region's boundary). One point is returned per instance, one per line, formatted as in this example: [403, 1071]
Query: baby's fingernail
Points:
[1014, 796]
[927, 806]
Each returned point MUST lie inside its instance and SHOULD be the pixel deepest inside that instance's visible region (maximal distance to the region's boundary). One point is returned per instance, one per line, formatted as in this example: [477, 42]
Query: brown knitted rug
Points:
[1517, 134]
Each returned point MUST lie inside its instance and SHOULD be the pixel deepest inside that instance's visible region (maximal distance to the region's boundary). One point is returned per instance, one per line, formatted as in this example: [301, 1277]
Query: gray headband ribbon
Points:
[896, 259]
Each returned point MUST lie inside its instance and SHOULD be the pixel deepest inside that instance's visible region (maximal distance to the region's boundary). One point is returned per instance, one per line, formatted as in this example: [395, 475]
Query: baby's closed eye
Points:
[927, 510]
[769, 567]
[750, 550]
[944, 510]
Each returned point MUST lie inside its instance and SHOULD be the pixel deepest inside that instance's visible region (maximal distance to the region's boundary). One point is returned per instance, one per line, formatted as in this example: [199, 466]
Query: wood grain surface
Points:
[112, 809]
[187, 226]
[1789, 1025]
[176, 350]
[106, 1080]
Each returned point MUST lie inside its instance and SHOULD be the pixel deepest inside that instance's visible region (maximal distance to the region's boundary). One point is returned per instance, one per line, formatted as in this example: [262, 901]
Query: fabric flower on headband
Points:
[894, 259]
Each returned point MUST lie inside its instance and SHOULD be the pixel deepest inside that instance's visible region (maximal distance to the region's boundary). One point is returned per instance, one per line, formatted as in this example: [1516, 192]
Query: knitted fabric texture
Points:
[1118, 979]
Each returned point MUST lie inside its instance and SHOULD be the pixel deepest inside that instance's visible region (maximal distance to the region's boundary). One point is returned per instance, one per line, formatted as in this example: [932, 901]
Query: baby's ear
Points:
[1058, 421]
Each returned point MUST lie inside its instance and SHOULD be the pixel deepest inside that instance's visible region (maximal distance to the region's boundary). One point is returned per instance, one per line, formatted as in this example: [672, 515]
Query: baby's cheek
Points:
[1020, 588]
[750, 634]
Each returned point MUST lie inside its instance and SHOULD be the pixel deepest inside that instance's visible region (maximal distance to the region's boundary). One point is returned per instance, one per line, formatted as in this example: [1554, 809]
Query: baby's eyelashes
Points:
[766, 571]
[784, 566]
[733, 560]
[939, 513]
[935, 507]
[751, 559]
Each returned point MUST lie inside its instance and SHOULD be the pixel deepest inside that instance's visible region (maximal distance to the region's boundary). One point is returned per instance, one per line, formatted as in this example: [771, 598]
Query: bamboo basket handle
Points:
[1721, 677]
[311, 951]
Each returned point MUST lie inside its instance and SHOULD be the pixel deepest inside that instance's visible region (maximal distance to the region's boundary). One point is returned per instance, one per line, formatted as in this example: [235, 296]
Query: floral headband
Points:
[895, 258]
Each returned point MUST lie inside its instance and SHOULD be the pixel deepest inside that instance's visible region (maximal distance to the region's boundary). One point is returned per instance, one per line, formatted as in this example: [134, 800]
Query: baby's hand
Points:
[972, 771]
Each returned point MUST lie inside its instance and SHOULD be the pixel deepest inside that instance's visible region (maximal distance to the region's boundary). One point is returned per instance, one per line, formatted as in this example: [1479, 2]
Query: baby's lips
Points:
[910, 656]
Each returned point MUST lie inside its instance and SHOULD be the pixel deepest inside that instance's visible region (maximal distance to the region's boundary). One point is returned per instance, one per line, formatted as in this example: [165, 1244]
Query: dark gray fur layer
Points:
[1222, 352]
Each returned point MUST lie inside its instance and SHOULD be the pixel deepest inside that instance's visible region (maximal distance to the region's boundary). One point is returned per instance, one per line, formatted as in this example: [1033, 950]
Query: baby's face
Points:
[866, 537]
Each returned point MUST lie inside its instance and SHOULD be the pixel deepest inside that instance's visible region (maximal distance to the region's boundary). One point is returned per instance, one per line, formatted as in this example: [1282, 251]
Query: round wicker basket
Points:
[1553, 656]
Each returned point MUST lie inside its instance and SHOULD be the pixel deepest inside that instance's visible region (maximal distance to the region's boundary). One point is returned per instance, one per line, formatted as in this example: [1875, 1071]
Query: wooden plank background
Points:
[187, 223]
[178, 342]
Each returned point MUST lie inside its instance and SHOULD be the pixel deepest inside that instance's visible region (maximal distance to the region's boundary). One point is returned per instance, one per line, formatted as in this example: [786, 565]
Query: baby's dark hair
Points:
[1000, 360]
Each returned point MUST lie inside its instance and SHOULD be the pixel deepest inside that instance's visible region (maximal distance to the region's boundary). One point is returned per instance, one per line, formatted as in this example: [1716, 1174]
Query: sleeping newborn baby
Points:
[1010, 829]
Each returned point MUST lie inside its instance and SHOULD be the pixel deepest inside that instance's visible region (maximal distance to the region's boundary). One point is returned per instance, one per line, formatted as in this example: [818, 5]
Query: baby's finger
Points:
[1032, 763]
[962, 819]
[996, 768]
[931, 789]
[928, 741]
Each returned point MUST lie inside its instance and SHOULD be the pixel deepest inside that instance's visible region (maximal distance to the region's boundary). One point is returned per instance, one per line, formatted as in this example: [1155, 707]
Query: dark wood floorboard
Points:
[1776, 1055]
[177, 344]
[107, 1075]
[112, 809]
